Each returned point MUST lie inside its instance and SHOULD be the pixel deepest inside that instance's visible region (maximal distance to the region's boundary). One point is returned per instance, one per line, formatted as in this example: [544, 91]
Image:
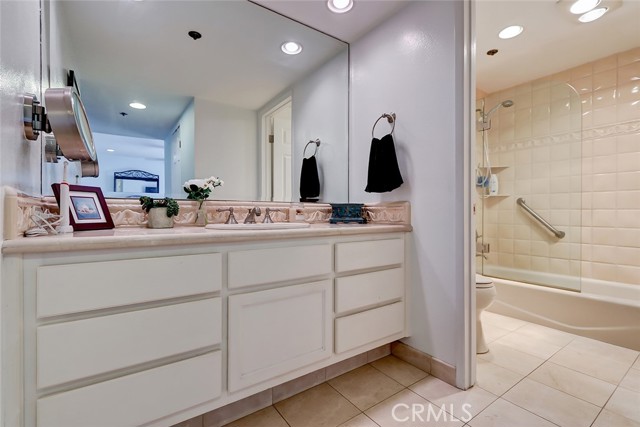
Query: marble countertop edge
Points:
[140, 237]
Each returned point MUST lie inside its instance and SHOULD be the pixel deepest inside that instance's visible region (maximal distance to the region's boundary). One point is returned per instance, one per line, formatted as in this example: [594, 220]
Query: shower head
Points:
[506, 104]
[484, 123]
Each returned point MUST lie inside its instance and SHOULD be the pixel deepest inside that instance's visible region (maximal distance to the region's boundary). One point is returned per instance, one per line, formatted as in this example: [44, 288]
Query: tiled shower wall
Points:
[584, 183]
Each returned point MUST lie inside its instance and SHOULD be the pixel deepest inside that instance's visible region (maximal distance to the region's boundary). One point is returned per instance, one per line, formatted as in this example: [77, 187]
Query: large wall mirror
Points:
[227, 102]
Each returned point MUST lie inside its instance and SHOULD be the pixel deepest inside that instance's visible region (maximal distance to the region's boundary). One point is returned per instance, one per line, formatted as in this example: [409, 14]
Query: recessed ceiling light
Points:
[340, 6]
[510, 32]
[110, 150]
[291, 48]
[593, 15]
[137, 106]
[581, 6]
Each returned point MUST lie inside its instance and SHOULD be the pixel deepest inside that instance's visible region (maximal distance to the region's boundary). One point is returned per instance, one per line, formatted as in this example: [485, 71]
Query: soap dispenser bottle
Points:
[493, 185]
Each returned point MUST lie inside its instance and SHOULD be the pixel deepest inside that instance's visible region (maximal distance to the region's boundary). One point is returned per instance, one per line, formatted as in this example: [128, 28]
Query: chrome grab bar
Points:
[559, 234]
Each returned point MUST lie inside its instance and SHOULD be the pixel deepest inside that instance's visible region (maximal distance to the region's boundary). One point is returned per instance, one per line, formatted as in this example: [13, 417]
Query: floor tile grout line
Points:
[281, 415]
[502, 396]
[405, 386]
[514, 404]
[569, 394]
[535, 339]
[592, 376]
[401, 385]
[353, 403]
[531, 412]
[548, 359]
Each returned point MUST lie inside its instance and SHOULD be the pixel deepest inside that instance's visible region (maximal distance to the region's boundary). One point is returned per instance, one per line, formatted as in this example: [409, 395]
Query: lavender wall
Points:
[410, 65]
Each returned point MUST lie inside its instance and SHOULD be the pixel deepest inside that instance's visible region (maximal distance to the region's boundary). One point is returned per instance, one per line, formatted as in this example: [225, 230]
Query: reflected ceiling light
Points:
[137, 106]
[340, 6]
[291, 48]
[593, 15]
[581, 6]
[511, 32]
[110, 150]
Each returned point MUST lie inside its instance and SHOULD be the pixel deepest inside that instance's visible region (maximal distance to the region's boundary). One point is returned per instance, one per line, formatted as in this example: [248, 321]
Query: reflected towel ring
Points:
[317, 142]
[391, 118]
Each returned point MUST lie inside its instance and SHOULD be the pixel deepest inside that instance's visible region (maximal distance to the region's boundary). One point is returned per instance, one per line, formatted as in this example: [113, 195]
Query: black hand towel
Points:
[309, 181]
[384, 173]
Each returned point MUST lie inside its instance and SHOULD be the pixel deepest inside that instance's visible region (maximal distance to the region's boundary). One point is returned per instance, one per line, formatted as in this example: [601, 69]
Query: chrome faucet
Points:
[231, 219]
[267, 215]
[251, 216]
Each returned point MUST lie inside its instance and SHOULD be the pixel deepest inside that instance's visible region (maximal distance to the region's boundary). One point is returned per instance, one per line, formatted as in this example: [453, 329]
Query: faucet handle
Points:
[231, 219]
[267, 215]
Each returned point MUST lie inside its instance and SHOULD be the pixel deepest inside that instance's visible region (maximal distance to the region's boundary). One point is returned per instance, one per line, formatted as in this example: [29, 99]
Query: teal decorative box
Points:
[347, 212]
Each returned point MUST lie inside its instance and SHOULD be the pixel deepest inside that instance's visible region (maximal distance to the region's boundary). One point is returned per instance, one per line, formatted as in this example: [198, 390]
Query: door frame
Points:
[266, 152]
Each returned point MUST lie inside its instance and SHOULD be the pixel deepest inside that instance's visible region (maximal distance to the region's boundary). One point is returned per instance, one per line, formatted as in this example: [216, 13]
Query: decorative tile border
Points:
[586, 134]
[129, 213]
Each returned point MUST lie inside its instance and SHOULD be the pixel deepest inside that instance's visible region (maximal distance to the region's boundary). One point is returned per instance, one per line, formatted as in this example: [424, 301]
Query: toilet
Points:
[485, 294]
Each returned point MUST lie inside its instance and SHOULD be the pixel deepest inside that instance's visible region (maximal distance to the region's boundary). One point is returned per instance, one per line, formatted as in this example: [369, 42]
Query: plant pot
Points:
[157, 218]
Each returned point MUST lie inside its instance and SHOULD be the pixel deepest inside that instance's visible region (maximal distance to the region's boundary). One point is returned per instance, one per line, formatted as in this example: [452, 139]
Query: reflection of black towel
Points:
[384, 173]
[309, 181]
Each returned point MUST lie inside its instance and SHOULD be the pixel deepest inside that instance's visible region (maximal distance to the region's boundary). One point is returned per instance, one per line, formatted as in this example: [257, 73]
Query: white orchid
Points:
[199, 189]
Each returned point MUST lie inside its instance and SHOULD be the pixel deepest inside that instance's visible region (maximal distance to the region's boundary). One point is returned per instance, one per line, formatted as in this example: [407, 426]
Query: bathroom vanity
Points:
[151, 327]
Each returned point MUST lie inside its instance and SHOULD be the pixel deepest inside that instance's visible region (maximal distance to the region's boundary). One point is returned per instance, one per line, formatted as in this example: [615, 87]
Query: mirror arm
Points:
[34, 117]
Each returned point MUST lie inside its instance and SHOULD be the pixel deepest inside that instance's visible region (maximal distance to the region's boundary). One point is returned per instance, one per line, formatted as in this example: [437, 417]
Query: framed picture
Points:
[88, 208]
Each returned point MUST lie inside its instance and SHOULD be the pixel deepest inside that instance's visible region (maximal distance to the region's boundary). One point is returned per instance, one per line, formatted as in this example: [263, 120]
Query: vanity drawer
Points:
[362, 290]
[135, 399]
[73, 288]
[369, 254]
[83, 348]
[254, 267]
[369, 326]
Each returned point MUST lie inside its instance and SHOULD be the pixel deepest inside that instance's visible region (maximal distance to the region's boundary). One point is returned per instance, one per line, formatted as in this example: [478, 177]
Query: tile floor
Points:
[532, 376]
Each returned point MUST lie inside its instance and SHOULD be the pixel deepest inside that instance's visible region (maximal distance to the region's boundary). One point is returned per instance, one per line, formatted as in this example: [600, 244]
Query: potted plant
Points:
[160, 211]
[199, 190]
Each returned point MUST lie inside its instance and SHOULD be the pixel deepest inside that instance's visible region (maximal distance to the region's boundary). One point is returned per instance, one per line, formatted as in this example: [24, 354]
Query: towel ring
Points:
[317, 142]
[391, 118]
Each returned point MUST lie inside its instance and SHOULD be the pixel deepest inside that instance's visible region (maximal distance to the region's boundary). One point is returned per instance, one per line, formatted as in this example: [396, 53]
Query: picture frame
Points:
[87, 206]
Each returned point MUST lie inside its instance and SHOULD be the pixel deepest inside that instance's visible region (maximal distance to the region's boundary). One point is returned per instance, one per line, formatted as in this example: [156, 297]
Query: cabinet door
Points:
[277, 331]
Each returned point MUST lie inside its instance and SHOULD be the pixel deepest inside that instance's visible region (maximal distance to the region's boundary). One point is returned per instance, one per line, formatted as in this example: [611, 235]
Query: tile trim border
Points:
[577, 136]
[19, 207]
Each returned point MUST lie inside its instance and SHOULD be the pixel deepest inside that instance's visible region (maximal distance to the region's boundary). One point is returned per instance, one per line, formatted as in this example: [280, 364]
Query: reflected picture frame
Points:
[88, 207]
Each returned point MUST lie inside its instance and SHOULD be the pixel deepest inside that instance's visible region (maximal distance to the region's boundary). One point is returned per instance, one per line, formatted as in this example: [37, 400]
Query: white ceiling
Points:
[553, 39]
[130, 49]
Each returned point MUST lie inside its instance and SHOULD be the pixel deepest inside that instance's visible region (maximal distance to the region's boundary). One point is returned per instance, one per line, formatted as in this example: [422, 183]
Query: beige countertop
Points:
[139, 237]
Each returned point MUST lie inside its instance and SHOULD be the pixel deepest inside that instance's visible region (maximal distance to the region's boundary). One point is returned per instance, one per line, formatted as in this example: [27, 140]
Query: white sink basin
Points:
[259, 226]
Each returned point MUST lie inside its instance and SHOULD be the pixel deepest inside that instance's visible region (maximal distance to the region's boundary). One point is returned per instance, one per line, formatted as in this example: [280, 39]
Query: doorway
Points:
[277, 171]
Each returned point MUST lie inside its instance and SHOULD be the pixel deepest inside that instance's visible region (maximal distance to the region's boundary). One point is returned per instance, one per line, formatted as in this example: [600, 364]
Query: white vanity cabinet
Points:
[153, 335]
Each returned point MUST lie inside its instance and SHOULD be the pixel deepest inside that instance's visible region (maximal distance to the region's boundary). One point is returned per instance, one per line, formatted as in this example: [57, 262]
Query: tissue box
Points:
[347, 212]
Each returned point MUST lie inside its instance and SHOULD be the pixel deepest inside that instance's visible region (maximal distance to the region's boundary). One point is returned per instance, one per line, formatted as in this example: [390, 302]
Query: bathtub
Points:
[613, 319]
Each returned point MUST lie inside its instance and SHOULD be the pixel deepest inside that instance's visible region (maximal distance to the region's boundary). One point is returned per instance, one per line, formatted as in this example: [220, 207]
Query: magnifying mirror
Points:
[70, 125]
